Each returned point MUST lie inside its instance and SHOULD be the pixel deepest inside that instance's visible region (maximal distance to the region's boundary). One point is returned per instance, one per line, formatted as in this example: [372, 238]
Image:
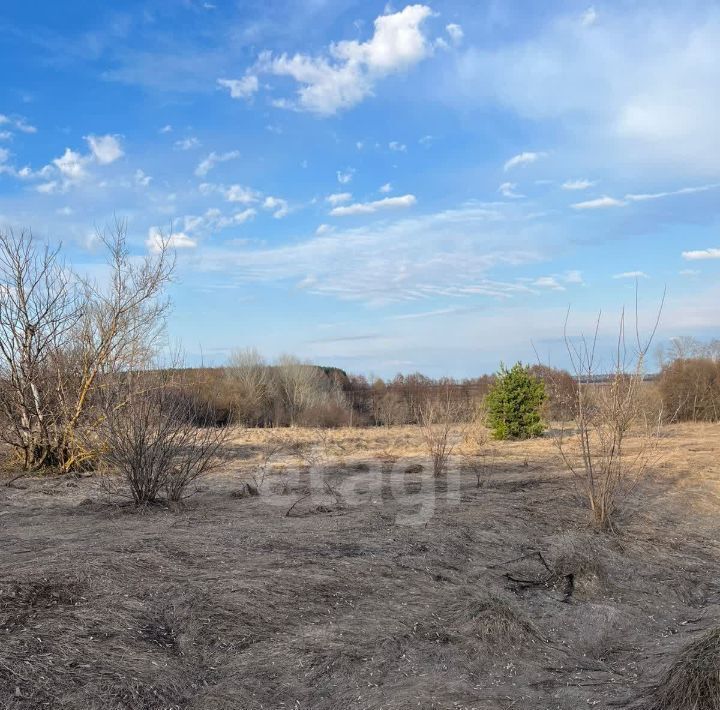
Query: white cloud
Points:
[701, 254]
[456, 33]
[167, 128]
[244, 195]
[573, 277]
[599, 203]
[549, 282]
[339, 197]
[187, 143]
[178, 240]
[47, 188]
[324, 229]
[237, 218]
[689, 272]
[142, 179]
[640, 88]
[606, 201]
[18, 123]
[446, 254]
[397, 147]
[71, 165]
[507, 189]
[206, 165]
[277, 206]
[631, 275]
[214, 220]
[589, 17]
[5, 135]
[577, 184]
[241, 88]
[371, 207]
[345, 176]
[105, 149]
[348, 74]
[523, 159]
[387, 187]
[681, 191]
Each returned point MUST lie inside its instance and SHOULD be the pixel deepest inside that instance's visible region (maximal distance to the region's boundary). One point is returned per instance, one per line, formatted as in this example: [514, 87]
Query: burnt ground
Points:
[382, 590]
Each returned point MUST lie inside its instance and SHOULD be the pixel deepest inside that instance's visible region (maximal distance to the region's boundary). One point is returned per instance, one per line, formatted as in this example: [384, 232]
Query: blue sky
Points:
[379, 187]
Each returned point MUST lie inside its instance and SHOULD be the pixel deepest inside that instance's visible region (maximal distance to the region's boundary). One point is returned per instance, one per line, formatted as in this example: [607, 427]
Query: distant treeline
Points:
[289, 392]
[250, 392]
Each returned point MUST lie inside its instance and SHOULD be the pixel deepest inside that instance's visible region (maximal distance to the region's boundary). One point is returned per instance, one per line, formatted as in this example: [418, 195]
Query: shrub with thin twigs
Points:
[477, 455]
[437, 415]
[614, 439]
[150, 440]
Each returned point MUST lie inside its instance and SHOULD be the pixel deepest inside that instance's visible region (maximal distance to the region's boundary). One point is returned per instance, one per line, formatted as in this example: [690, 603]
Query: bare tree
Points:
[120, 329]
[300, 384]
[39, 310]
[252, 383]
[597, 453]
[63, 337]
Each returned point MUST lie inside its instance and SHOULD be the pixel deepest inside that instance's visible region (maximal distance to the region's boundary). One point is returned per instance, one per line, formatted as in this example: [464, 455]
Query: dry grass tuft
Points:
[693, 680]
[496, 622]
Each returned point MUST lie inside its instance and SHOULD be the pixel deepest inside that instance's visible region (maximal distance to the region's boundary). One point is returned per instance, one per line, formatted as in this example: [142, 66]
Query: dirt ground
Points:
[380, 588]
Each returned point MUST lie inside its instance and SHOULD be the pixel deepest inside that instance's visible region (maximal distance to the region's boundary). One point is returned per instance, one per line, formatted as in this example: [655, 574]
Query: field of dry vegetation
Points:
[330, 569]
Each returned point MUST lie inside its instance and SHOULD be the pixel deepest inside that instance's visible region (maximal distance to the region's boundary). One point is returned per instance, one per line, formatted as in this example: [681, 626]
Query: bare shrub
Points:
[269, 450]
[437, 415]
[477, 454]
[597, 452]
[692, 682]
[150, 439]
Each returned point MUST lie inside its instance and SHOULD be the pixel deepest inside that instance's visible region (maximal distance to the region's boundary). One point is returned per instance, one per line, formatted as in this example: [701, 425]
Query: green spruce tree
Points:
[514, 403]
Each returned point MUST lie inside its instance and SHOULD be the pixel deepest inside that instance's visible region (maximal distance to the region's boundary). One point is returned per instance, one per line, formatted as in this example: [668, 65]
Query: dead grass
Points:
[229, 604]
[693, 681]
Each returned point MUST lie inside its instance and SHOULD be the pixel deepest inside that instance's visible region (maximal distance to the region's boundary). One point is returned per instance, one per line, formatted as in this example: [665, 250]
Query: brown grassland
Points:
[370, 584]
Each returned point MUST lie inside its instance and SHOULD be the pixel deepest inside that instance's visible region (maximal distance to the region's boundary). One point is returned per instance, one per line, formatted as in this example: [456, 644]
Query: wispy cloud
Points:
[339, 198]
[671, 193]
[187, 143]
[523, 159]
[345, 176]
[631, 275]
[577, 184]
[446, 254]
[507, 189]
[371, 207]
[241, 88]
[178, 240]
[599, 203]
[701, 254]
[207, 164]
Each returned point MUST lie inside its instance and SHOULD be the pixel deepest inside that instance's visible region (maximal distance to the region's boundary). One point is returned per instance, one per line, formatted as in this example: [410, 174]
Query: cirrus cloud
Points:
[376, 206]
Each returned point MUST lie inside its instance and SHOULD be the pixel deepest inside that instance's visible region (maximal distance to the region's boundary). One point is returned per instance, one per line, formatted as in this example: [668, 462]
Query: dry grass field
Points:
[356, 580]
